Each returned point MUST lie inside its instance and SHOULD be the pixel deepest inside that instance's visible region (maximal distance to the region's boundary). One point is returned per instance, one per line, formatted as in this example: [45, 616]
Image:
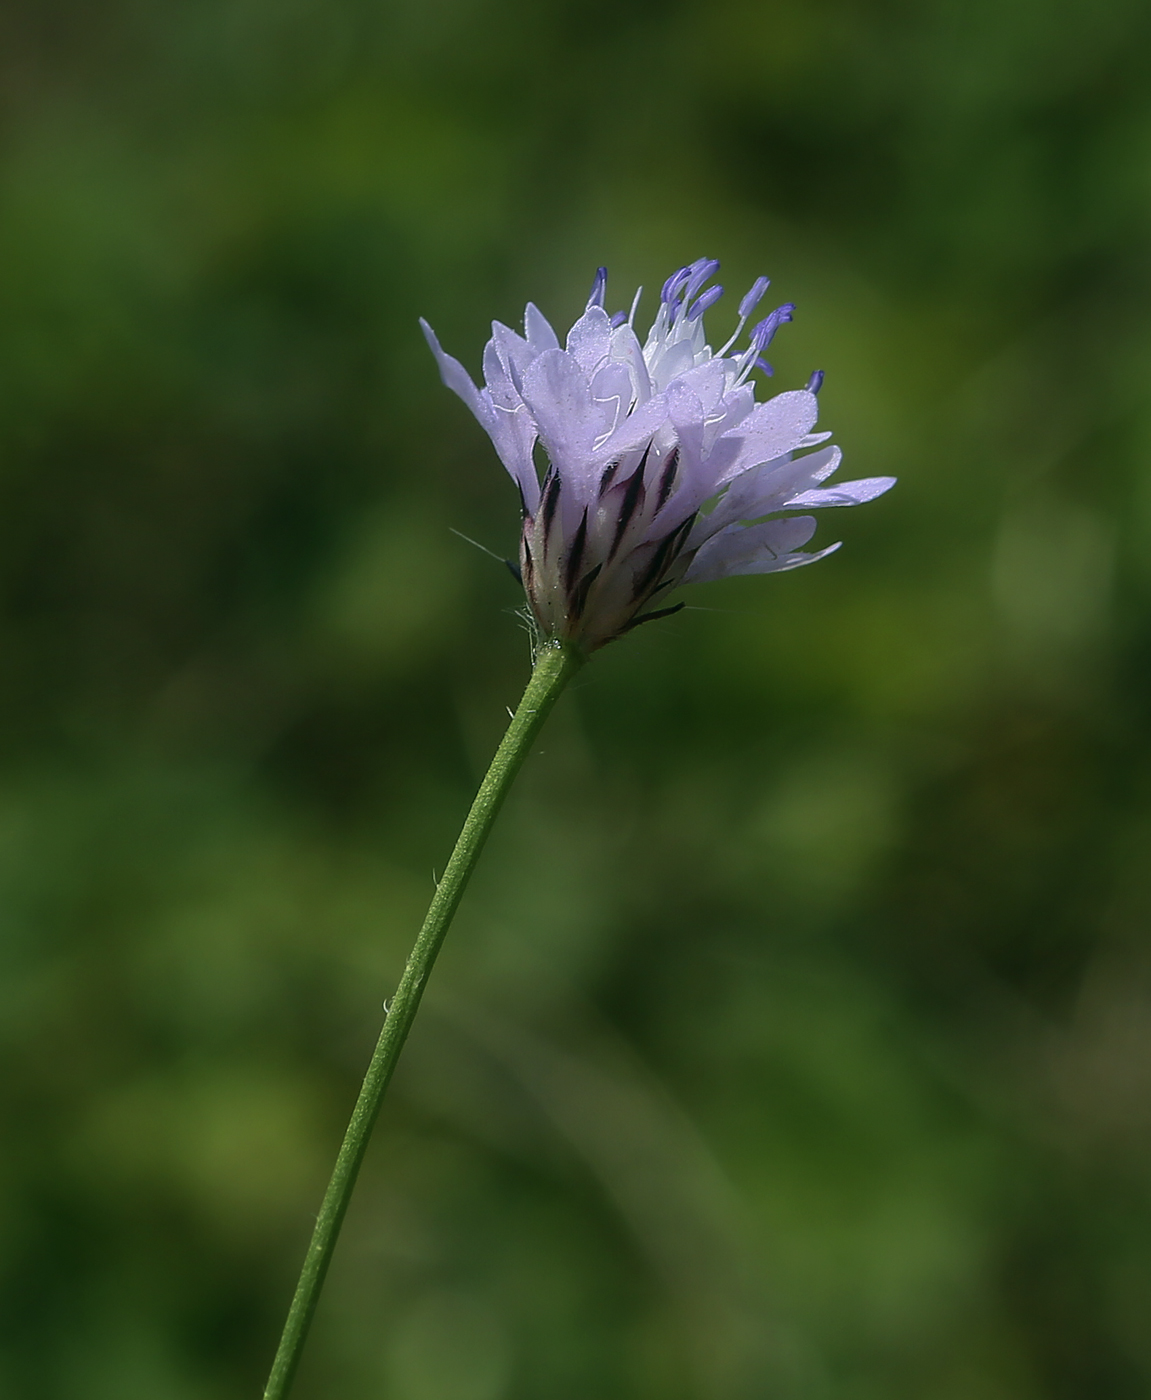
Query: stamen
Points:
[674, 285]
[708, 298]
[754, 297]
[746, 307]
[762, 335]
[634, 306]
[703, 270]
[618, 319]
[815, 383]
[597, 287]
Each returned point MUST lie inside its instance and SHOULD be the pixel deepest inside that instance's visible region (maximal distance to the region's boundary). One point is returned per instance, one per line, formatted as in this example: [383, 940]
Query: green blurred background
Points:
[795, 1039]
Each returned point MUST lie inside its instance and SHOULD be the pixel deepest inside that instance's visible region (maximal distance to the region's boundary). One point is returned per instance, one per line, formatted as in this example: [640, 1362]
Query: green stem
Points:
[555, 666]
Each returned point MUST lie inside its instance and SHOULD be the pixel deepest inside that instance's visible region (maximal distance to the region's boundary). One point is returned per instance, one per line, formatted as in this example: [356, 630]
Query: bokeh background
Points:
[794, 1041]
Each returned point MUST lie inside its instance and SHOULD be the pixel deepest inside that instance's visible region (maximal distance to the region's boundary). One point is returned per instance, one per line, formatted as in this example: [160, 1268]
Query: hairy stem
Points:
[555, 665]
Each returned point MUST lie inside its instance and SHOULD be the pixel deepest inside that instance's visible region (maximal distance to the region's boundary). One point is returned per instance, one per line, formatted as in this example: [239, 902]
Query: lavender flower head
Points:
[661, 467]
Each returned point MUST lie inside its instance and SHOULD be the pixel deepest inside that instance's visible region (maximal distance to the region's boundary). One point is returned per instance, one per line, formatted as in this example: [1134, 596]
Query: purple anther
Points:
[706, 299]
[754, 297]
[674, 284]
[761, 363]
[618, 319]
[815, 383]
[597, 287]
[763, 332]
[701, 271]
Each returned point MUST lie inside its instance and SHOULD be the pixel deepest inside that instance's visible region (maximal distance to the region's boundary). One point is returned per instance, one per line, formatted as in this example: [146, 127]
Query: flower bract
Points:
[659, 468]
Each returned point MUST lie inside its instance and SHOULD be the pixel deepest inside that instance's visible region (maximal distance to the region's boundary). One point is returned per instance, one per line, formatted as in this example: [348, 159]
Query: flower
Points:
[661, 467]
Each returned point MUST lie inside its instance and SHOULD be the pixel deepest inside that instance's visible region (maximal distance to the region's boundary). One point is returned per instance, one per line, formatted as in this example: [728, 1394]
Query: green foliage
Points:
[794, 1038]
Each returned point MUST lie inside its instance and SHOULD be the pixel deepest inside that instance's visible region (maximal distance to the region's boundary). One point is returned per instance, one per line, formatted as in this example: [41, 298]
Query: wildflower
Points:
[661, 467]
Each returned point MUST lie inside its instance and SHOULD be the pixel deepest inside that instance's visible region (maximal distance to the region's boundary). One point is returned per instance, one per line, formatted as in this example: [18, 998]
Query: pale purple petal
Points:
[556, 391]
[514, 354]
[755, 549]
[636, 431]
[773, 485]
[611, 388]
[538, 330]
[457, 379]
[783, 562]
[706, 457]
[765, 489]
[688, 414]
[845, 493]
[677, 359]
[513, 433]
[510, 428]
[737, 404]
[503, 384]
[696, 470]
[708, 382]
[589, 340]
[774, 428]
[626, 350]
